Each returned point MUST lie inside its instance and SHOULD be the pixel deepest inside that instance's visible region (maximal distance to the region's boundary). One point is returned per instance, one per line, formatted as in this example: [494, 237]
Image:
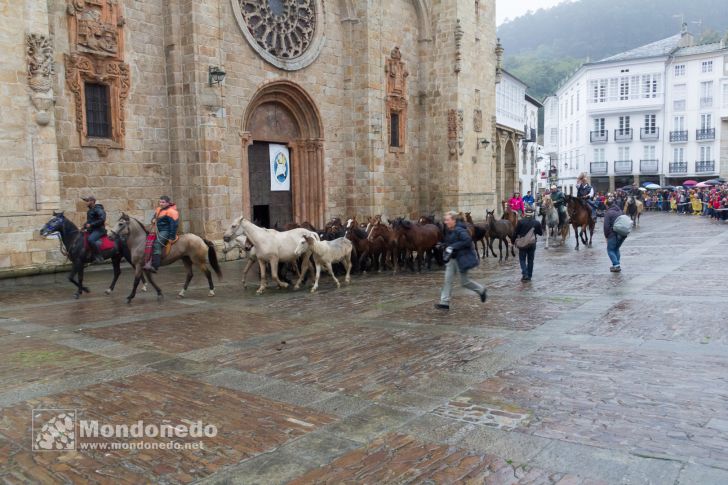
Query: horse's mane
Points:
[141, 224]
[360, 233]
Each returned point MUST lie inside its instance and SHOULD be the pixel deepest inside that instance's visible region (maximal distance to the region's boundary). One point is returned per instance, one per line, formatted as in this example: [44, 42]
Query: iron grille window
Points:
[394, 130]
[97, 110]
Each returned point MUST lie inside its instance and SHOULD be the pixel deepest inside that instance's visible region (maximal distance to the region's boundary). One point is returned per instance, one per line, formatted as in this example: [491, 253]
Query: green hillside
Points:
[543, 47]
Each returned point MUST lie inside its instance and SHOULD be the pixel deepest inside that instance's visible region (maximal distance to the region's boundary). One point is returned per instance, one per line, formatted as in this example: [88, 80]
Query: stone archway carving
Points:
[307, 149]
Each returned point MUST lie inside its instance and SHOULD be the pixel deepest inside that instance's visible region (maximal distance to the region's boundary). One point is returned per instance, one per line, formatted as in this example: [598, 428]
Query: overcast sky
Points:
[510, 9]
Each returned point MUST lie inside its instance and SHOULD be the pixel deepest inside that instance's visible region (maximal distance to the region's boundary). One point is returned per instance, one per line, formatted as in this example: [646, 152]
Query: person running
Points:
[526, 255]
[461, 256]
[614, 240]
[94, 226]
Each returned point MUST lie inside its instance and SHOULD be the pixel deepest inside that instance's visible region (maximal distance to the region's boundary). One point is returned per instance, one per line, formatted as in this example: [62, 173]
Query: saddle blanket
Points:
[149, 247]
[106, 243]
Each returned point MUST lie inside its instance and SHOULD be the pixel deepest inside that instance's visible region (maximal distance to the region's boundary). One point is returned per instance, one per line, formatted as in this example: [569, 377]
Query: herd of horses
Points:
[371, 245]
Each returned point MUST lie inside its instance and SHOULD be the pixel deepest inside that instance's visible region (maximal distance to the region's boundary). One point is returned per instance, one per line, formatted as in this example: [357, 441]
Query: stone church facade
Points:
[386, 106]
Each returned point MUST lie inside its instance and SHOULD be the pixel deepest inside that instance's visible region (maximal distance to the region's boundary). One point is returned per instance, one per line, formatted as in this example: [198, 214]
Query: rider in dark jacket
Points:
[166, 220]
[94, 226]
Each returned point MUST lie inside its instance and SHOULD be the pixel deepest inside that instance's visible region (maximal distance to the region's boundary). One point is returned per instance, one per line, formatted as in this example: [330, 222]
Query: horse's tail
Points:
[212, 257]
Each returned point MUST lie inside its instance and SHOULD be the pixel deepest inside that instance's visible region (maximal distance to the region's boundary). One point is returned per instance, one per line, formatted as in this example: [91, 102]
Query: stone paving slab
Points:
[193, 330]
[399, 458]
[653, 404]
[367, 361]
[664, 320]
[247, 425]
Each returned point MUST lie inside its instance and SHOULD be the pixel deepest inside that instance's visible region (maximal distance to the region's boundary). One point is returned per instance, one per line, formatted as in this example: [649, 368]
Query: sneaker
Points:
[528, 278]
[484, 295]
[442, 306]
[524, 278]
[615, 269]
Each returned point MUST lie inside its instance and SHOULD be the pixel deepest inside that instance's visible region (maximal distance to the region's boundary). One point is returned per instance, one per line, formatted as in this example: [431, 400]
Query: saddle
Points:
[106, 243]
[151, 238]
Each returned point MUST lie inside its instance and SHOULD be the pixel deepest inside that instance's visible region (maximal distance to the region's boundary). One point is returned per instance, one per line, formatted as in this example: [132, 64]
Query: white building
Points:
[648, 114]
[516, 137]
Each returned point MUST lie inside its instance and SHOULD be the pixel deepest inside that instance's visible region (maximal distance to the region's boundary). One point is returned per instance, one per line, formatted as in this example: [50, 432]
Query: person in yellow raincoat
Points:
[673, 203]
[696, 203]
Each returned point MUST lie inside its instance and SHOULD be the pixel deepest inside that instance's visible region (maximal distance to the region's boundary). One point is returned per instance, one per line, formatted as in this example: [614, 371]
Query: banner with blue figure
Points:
[280, 168]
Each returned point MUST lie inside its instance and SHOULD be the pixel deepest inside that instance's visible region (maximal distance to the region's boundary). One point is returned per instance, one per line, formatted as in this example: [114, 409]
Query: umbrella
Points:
[712, 182]
[643, 189]
[703, 185]
[651, 186]
[645, 184]
[669, 187]
[690, 182]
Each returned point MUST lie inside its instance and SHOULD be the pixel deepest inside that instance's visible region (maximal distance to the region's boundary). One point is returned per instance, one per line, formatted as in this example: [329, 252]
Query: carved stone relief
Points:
[397, 74]
[39, 52]
[458, 46]
[455, 138]
[97, 52]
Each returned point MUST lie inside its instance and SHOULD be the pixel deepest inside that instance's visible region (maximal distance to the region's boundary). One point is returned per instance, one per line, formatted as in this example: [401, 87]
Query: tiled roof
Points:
[655, 49]
[699, 49]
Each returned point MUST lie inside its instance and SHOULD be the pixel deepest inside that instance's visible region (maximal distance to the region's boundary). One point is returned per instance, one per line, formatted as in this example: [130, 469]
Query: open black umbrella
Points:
[712, 182]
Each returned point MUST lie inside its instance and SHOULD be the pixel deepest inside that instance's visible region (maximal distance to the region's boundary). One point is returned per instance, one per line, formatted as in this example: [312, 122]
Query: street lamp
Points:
[482, 143]
[215, 75]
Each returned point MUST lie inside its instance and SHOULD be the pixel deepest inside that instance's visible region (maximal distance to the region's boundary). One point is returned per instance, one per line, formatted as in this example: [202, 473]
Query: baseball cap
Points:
[88, 197]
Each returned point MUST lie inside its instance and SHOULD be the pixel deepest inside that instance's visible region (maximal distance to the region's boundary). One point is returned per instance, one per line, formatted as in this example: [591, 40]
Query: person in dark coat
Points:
[614, 240]
[95, 226]
[460, 255]
[526, 255]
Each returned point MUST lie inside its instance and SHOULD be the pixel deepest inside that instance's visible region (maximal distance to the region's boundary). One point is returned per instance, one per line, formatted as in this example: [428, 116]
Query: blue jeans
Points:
[93, 239]
[525, 257]
[614, 242]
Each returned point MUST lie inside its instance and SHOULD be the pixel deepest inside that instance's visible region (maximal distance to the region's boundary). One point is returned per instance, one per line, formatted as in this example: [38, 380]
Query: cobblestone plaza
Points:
[580, 376]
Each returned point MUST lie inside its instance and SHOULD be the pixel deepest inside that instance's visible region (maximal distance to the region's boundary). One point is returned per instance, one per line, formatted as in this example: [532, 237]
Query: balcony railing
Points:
[649, 133]
[679, 136]
[599, 168]
[623, 134]
[678, 167]
[623, 166]
[649, 166]
[705, 134]
[599, 136]
[705, 166]
[706, 102]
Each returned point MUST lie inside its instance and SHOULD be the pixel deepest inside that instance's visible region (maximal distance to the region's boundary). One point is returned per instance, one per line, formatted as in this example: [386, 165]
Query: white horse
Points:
[272, 247]
[551, 221]
[325, 253]
[247, 251]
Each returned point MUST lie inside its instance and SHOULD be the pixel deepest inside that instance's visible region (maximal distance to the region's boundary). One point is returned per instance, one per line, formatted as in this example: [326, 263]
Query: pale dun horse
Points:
[551, 221]
[191, 249]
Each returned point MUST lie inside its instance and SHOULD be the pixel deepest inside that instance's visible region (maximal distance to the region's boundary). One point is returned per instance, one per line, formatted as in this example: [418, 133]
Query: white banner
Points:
[280, 168]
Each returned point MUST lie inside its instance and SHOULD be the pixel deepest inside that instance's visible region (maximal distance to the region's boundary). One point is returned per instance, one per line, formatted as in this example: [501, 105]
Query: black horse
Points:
[73, 242]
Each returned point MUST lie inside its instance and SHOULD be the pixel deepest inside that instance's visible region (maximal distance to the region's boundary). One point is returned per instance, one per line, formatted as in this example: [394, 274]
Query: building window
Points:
[577, 131]
[651, 124]
[650, 152]
[97, 110]
[678, 123]
[706, 152]
[725, 95]
[706, 121]
[554, 136]
[678, 155]
[599, 126]
[679, 70]
[623, 123]
[623, 153]
[599, 155]
[623, 88]
[394, 130]
[706, 66]
[706, 94]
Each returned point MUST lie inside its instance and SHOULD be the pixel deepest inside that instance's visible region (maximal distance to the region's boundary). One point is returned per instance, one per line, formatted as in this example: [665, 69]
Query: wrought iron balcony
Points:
[649, 133]
[599, 168]
[649, 166]
[599, 136]
[623, 134]
[678, 167]
[679, 136]
[705, 134]
[705, 166]
[706, 102]
[623, 166]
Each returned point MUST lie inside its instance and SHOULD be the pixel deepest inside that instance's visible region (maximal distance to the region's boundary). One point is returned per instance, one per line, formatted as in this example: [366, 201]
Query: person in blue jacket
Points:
[460, 256]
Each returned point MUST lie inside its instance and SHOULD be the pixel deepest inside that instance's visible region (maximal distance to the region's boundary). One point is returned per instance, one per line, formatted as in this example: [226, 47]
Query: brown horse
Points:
[502, 230]
[479, 233]
[508, 214]
[379, 230]
[375, 250]
[418, 239]
[580, 217]
[191, 249]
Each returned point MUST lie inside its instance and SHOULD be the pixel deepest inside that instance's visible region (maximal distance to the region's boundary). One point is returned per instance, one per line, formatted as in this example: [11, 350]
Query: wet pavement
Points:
[580, 376]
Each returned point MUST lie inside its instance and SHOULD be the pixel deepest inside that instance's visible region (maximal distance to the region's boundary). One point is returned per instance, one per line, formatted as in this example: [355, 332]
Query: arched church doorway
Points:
[510, 168]
[282, 124]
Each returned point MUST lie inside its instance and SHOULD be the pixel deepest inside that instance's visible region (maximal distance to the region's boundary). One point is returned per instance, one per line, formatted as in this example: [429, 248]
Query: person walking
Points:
[95, 226]
[460, 255]
[614, 240]
[527, 253]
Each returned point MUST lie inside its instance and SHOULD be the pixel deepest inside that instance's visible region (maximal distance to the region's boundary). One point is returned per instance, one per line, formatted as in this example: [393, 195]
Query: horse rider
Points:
[584, 192]
[165, 222]
[516, 204]
[94, 226]
[528, 200]
[559, 200]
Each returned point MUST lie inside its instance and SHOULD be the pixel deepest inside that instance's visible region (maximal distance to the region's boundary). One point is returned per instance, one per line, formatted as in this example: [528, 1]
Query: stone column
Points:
[246, 139]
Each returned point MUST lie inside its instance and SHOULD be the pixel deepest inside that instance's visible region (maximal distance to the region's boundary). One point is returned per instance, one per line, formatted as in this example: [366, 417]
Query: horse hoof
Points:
[107, 292]
[85, 289]
[313, 290]
[128, 301]
[76, 296]
[181, 294]
[144, 288]
[211, 293]
[297, 287]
